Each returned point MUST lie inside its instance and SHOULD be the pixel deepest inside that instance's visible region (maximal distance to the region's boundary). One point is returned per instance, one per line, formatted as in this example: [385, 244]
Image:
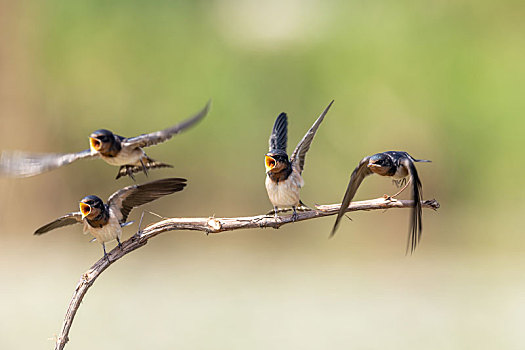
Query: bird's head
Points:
[91, 206]
[380, 164]
[275, 161]
[101, 140]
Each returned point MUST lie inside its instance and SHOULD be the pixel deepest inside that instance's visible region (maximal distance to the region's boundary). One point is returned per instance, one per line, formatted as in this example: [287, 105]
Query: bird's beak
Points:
[373, 165]
[85, 209]
[95, 143]
[269, 162]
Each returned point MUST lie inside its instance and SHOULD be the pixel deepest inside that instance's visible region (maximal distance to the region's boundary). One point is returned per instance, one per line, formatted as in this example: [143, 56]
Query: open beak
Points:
[95, 143]
[85, 209]
[269, 162]
[373, 165]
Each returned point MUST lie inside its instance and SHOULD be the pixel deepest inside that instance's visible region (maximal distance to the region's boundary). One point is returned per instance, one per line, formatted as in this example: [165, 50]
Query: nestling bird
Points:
[398, 165]
[283, 175]
[105, 220]
[113, 149]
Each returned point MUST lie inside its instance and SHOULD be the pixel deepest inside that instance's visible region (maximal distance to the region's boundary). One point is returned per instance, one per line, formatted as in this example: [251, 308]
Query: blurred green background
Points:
[443, 80]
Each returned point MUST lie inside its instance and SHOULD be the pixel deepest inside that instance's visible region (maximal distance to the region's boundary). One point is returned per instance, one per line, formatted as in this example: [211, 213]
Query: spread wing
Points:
[68, 219]
[279, 136]
[299, 154]
[358, 175]
[23, 164]
[416, 226]
[122, 201]
[154, 138]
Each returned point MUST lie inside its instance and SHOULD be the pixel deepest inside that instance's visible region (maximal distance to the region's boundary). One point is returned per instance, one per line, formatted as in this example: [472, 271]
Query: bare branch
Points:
[209, 225]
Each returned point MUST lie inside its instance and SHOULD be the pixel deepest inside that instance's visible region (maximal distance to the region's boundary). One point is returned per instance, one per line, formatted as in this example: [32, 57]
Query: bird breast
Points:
[285, 193]
[106, 233]
[126, 156]
[401, 172]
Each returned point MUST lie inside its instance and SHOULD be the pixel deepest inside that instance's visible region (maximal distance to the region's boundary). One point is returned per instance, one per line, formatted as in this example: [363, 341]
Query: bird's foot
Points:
[106, 256]
[402, 182]
[294, 215]
[144, 168]
[119, 243]
[275, 211]
[129, 171]
[139, 231]
[389, 198]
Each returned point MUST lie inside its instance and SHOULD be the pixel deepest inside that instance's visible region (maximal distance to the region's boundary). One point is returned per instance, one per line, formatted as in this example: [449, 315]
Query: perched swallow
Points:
[283, 175]
[398, 165]
[105, 221]
[113, 149]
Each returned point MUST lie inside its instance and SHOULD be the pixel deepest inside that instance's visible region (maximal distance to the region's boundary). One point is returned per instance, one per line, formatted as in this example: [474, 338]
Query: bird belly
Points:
[285, 194]
[126, 156]
[401, 173]
[106, 233]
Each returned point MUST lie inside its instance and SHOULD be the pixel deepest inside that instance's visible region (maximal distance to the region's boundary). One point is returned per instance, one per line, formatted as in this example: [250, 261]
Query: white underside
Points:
[108, 233]
[125, 156]
[285, 194]
[401, 173]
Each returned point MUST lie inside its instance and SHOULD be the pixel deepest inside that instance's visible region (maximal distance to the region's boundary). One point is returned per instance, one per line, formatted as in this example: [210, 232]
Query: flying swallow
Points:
[113, 149]
[401, 168]
[283, 175]
[105, 220]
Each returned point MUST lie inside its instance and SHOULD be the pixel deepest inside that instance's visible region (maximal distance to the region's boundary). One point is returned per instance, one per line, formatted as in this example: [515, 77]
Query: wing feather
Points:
[279, 136]
[416, 226]
[154, 138]
[68, 219]
[24, 164]
[124, 200]
[357, 177]
[299, 154]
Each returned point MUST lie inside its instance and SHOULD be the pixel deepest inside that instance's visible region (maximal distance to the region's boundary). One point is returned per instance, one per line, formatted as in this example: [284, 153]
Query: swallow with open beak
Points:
[401, 168]
[113, 149]
[283, 175]
[105, 220]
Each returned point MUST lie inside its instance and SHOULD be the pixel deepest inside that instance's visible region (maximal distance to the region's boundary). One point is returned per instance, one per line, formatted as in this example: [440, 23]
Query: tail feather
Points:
[149, 163]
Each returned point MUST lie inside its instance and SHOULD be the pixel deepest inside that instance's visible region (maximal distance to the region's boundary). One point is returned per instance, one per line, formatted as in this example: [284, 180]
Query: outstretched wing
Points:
[122, 201]
[154, 138]
[299, 154]
[68, 219]
[358, 175]
[416, 226]
[23, 164]
[279, 136]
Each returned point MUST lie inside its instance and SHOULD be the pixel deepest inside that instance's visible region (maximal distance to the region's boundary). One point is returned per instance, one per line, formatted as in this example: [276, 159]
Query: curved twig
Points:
[209, 225]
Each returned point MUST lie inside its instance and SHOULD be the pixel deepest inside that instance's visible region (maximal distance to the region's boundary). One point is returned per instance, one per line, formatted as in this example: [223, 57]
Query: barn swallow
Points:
[283, 175]
[113, 149]
[401, 168]
[105, 220]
